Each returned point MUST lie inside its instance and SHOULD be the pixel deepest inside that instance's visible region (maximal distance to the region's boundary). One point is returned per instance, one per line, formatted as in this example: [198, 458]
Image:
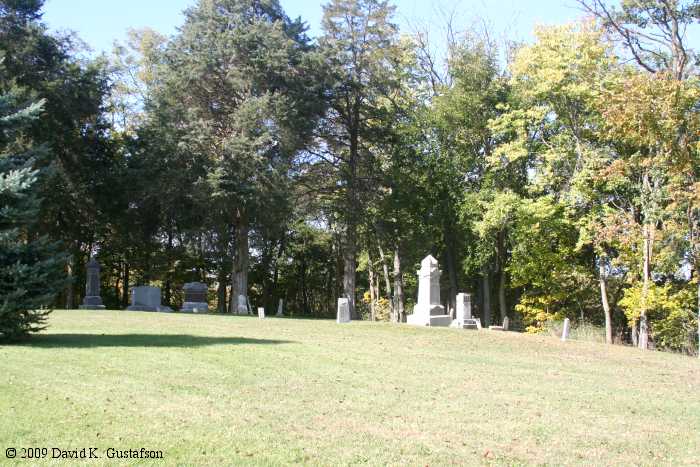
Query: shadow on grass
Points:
[139, 340]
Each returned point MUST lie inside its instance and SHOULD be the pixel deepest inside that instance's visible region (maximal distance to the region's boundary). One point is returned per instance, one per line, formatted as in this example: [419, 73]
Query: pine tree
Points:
[31, 270]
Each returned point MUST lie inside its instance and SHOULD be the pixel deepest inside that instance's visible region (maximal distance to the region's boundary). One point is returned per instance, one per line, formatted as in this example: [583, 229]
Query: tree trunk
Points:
[399, 313]
[69, 289]
[643, 328]
[275, 295]
[125, 291]
[502, 305]
[352, 208]
[486, 291]
[338, 289]
[239, 276]
[168, 282]
[349, 268]
[168, 295]
[221, 290]
[387, 280]
[117, 285]
[372, 296]
[451, 272]
[602, 278]
[304, 292]
[502, 294]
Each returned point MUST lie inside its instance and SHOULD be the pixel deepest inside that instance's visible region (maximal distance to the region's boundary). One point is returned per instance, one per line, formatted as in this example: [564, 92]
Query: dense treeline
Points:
[559, 182]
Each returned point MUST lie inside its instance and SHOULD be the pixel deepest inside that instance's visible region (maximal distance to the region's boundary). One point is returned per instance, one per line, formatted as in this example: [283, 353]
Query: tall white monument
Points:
[428, 311]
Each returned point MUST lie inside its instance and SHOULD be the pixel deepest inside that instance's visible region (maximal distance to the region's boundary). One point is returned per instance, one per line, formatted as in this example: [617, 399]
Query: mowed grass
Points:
[224, 390]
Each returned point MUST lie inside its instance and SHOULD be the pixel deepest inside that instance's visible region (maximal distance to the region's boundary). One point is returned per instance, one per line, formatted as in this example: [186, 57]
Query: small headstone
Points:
[506, 323]
[196, 300]
[280, 311]
[92, 300]
[464, 307]
[343, 310]
[261, 313]
[242, 308]
[464, 318]
[146, 298]
[565, 330]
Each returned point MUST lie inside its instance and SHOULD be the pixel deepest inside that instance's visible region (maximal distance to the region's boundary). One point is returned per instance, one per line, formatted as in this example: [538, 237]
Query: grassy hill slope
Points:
[209, 389]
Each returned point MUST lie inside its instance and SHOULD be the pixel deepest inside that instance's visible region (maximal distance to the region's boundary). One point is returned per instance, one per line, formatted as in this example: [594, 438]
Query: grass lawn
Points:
[214, 390]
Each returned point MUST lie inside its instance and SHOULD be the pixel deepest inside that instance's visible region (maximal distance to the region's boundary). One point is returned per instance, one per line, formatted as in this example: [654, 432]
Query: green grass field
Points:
[213, 390]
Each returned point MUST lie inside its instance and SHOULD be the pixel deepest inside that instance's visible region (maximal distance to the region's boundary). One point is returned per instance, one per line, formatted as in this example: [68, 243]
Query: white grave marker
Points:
[343, 310]
[565, 330]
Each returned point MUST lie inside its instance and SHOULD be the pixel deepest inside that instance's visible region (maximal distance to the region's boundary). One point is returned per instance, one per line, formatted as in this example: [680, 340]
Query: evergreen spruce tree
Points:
[31, 269]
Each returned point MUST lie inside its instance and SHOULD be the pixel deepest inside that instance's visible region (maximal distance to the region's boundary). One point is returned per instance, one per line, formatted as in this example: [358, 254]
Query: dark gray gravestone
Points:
[196, 297]
[92, 300]
[146, 298]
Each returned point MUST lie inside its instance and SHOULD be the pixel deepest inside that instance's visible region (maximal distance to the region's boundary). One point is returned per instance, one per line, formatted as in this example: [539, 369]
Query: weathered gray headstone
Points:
[565, 330]
[242, 305]
[506, 323]
[196, 300]
[280, 309]
[343, 310]
[92, 300]
[428, 311]
[146, 298]
[261, 312]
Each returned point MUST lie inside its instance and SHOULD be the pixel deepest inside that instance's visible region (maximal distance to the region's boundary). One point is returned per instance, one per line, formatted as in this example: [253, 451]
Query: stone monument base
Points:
[165, 309]
[468, 323]
[92, 302]
[194, 307]
[432, 320]
[92, 307]
[434, 316]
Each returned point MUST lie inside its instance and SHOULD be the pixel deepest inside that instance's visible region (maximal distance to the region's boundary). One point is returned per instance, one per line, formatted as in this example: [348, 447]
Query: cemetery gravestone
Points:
[428, 311]
[92, 300]
[464, 318]
[242, 305]
[196, 300]
[280, 313]
[146, 298]
[343, 310]
[565, 330]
